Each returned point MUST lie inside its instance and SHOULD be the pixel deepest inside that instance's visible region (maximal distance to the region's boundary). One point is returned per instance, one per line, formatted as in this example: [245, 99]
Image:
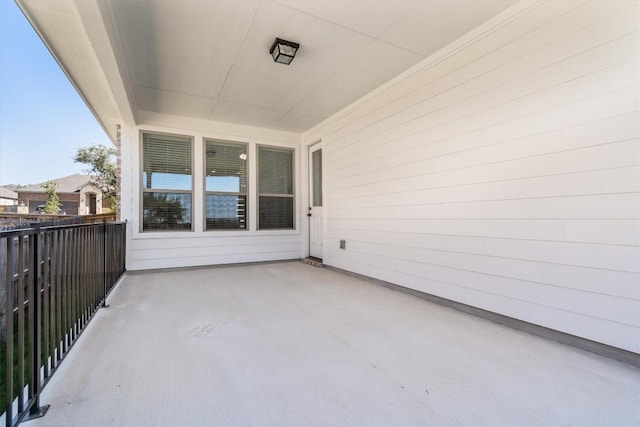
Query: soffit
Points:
[209, 59]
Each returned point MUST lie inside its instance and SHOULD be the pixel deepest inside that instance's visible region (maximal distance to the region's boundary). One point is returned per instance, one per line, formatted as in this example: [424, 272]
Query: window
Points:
[275, 188]
[225, 185]
[166, 182]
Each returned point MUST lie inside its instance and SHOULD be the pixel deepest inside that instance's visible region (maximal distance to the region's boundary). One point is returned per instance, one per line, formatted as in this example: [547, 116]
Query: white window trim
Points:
[142, 189]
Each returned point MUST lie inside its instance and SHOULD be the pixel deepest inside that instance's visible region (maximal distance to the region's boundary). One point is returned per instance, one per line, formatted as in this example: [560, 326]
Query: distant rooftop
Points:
[8, 193]
[66, 184]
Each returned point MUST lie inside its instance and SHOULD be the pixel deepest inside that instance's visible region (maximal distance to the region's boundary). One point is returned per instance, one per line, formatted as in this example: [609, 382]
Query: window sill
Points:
[201, 234]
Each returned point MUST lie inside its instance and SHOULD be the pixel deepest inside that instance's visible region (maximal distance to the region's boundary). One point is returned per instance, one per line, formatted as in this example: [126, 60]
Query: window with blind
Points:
[167, 183]
[225, 185]
[275, 188]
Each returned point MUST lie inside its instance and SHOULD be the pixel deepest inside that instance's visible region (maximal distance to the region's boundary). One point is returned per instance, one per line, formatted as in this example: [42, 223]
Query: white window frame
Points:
[292, 196]
[144, 190]
[206, 193]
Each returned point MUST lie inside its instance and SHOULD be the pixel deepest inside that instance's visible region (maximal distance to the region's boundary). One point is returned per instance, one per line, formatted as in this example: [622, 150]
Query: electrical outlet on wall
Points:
[343, 244]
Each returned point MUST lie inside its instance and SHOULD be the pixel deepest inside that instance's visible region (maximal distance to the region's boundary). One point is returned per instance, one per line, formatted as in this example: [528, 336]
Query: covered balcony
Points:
[480, 155]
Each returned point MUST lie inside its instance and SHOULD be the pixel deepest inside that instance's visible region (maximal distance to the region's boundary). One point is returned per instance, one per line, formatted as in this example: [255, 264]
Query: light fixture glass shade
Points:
[283, 51]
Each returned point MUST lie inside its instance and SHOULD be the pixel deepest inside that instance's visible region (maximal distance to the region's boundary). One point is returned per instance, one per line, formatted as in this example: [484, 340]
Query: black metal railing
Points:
[52, 281]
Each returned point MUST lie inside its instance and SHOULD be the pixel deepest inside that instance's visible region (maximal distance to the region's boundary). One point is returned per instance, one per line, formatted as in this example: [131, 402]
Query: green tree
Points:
[102, 168]
[53, 204]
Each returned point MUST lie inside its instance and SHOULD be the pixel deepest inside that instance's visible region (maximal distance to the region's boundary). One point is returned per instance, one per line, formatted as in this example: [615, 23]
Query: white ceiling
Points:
[209, 59]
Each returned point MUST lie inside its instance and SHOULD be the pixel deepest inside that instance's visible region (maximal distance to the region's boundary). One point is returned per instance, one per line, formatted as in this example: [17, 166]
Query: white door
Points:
[315, 201]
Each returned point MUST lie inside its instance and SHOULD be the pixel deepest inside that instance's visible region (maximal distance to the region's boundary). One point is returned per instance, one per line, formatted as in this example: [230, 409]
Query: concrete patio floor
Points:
[288, 344]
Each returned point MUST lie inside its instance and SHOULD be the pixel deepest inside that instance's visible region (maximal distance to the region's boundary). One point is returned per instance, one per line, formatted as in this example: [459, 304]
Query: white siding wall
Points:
[503, 172]
[148, 250]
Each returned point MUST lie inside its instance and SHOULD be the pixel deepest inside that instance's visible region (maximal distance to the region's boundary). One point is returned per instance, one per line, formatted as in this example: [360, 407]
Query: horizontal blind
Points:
[275, 166]
[167, 162]
[226, 167]
[225, 212]
[275, 188]
[275, 212]
[226, 185]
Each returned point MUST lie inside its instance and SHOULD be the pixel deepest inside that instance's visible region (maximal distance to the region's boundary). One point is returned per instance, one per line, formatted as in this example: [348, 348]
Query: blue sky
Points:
[43, 121]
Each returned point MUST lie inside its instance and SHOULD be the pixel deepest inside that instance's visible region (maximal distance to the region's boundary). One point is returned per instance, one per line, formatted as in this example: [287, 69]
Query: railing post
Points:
[9, 344]
[36, 410]
[104, 264]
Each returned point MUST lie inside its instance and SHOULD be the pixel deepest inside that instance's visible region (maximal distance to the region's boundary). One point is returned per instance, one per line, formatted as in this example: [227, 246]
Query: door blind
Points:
[316, 175]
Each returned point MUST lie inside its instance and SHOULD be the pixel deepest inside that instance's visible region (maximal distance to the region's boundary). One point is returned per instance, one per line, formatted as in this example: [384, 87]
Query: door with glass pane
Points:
[315, 201]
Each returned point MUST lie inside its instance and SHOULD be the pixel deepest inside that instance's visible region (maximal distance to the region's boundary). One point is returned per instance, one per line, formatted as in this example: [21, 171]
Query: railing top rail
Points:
[18, 232]
[92, 224]
[38, 228]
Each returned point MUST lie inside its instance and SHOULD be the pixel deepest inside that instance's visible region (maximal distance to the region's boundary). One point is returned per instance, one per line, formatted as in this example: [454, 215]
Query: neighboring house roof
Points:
[7, 193]
[66, 184]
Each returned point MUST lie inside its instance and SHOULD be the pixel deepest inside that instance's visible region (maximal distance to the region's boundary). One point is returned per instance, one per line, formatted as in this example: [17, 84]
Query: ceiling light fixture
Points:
[283, 51]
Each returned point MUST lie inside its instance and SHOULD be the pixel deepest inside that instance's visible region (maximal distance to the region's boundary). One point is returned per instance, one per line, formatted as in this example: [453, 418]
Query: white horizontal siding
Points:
[181, 252]
[468, 253]
[467, 151]
[614, 232]
[503, 172]
[594, 304]
[606, 331]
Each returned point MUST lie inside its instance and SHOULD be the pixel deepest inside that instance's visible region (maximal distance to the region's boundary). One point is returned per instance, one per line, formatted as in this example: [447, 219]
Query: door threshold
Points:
[316, 262]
